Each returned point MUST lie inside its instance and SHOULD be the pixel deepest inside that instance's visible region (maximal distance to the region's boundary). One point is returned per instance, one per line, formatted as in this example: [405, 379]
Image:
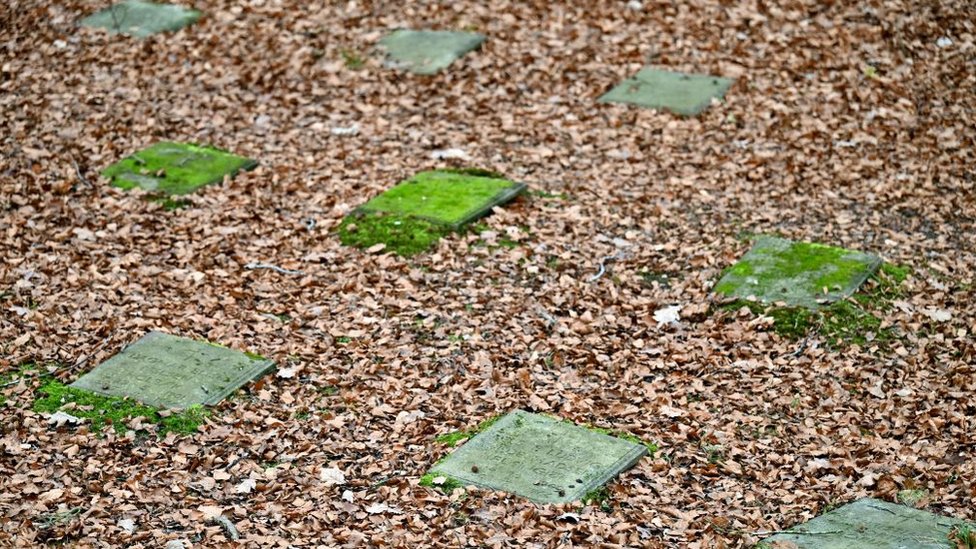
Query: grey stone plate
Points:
[685, 94]
[141, 19]
[428, 52]
[540, 458]
[166, 371]
[870, 524]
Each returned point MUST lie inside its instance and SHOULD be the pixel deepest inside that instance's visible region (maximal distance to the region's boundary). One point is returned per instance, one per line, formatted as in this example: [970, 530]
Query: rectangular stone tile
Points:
[797, 273]
[167, 371]
[868, 524]
[428, 52]
[141, 19]
[540, 458]
[175, 168]
[685, 94]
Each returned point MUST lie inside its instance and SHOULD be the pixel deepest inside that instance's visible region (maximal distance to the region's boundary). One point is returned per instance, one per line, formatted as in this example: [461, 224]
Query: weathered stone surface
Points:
[140, 19]
[427, 52]
[166, 371]
[685, 94]
[446, 197]
[540, 458]
[175, 168]
[869, 524]
[797, 273]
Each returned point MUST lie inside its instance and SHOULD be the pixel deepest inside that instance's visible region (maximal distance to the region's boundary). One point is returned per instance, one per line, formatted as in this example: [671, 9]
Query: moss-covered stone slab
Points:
[167, 371]
[540, 458]
[417, 212]
[680, 93]
[869, 524]
[799, 274]
[428, 52]
[141, 19]
[175, 168]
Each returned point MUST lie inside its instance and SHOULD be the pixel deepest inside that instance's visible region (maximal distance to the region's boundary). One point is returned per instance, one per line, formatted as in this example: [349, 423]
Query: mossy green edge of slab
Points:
[428, 52]
[185, 168]
[538, 457]
[166, 371]
[141, 19]
[779, 270]
[680, 93]
[870, 524]
[446, 197]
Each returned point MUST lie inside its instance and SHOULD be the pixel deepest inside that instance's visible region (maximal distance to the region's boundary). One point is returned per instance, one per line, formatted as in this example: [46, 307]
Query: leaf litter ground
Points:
[849, 124]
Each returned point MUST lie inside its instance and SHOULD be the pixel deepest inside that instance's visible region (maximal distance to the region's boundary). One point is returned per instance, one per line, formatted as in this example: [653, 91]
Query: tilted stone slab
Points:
[446, 197]
[680, 93]
[869, 524]
[166, 371]
[428, 52]
[175, 168]
[540, 458]
[797, 273]
[141, 19]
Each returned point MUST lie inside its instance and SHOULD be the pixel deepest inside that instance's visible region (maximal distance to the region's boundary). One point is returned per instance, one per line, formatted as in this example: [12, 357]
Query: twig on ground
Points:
[799, 350]
[603, 265]
[228, 527]
[275, 268]
[81, 176]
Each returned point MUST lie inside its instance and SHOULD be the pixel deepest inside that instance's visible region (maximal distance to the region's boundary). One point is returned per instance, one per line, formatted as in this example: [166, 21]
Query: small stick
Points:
[78, 172]
[603, 267]
[275, 268]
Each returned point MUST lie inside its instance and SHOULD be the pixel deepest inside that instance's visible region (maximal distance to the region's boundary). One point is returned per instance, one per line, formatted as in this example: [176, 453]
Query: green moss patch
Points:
[855, 320]
[412, 216]
[452, 439]
[175, 168]
[447, 486]
[104, 410]
[799, 274]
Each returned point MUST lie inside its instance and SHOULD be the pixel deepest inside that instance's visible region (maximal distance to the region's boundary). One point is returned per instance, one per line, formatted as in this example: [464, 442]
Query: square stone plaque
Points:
[540, 458]
[141, 19]
[175, 168]
[166, 371]
[870, 524]
[685, 94]
[428, 52]
[797, 273]
[452, 198]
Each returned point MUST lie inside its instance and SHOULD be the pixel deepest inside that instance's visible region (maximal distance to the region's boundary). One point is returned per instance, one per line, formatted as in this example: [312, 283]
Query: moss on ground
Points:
[175, 168]
[452, 439]
[599, 497]
[964, 536]
[102, 410]
[449, 485]
[847, 321]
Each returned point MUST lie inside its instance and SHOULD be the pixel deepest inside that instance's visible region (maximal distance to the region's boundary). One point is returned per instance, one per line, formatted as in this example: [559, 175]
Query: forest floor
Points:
[850, 123]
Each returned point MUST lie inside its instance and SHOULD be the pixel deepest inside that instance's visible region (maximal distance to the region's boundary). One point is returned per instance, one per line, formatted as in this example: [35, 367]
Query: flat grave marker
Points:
[167, 371]
[175, 168]
[869, 524]
[428, 52]
[540, 458]
[800, 274]
[140, 19]
[416, 212]
[680, 93]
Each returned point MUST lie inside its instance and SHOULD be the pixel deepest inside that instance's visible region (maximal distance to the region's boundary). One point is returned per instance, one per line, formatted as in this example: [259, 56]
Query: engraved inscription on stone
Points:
[870, 524]
[173, 372]
[541, 458]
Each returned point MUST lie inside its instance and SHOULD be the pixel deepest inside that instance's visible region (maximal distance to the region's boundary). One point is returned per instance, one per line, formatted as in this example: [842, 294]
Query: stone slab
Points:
[428, 52]
[796, 273]
[540, 458]
[175, 168]
[167, 371]
[141, 19]
[445, 197]
[869, 524]
[680, 93]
